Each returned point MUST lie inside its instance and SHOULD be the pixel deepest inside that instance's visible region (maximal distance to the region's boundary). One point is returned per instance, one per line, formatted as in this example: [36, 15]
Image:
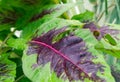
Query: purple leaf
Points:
[100, 32]
[69, 57]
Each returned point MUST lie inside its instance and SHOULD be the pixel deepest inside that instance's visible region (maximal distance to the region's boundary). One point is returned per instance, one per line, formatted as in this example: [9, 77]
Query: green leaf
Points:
[110, 39]
[106, 47]
[57, 23]
[90, 40]
[100, 59]
[86, 16]
[5, 27]
[87, 36]
[17, 43]
[7, 69]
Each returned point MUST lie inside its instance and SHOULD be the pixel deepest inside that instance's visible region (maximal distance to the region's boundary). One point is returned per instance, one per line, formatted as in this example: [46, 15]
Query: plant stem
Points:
[100, 16]
[19, 78]
[3, 43]
[118, 9]
[106, 8]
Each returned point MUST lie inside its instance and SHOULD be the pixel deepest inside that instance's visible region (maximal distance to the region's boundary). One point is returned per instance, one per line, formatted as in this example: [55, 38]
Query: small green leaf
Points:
[110, 39]
[17, 43]
[86, 16]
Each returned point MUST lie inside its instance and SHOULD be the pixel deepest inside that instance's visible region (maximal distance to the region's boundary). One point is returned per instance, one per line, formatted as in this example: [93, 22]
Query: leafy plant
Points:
[54, 45]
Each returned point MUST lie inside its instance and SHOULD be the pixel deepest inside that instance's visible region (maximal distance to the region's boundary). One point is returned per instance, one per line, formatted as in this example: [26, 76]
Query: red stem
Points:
[61, 54]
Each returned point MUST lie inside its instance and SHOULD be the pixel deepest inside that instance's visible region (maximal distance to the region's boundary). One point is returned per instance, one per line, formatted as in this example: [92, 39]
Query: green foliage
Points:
[35, 17]
[86, 16]
[7, 69]
[18, 43]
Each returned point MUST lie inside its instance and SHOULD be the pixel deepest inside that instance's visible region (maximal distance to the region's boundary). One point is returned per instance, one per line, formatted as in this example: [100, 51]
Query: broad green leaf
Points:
[86, 16]
[17, 43]
[7, 69]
